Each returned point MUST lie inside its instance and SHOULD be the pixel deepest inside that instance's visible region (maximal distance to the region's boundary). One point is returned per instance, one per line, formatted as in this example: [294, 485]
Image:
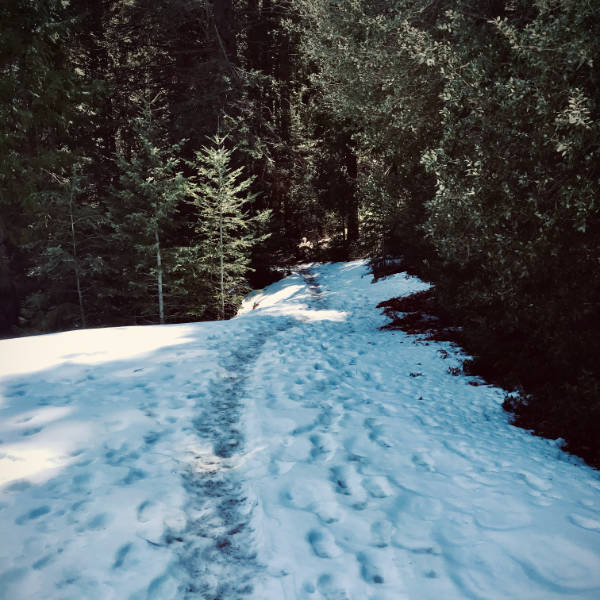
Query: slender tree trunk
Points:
[159, 276]
[254, 38]
[9, 303]
[222, 266]
[285, 73]
[75, 259]
[267, 25]
[224, 27]
[353, 222]
[222, 262]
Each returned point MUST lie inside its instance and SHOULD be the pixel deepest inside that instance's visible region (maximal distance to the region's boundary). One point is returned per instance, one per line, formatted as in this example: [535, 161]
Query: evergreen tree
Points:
[374, 101]
[41, 101]
[151, 186]
[515, 216]
[227, 234]
[68, 249]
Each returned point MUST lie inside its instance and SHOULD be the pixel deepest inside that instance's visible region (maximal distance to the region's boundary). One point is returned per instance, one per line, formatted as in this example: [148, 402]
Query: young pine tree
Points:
[150, 189]
[227, 234]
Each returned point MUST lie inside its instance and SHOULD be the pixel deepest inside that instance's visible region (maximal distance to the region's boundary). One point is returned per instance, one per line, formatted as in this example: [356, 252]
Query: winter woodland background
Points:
[157, 157]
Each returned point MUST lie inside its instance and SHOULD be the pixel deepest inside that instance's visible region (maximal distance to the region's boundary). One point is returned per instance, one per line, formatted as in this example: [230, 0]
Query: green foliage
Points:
[38, 92]
[43, 103]
[476, 128]
[67, 247]
[515, 216]
[374, 79]
[227, 234]
[150, 189]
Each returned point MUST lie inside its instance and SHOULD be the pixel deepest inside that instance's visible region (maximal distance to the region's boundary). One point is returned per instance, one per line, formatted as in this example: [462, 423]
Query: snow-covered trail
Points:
[295, 452]
[383, 476]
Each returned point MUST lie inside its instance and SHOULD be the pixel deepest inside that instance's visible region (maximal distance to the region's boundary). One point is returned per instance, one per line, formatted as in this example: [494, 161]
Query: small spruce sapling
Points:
[227, 233]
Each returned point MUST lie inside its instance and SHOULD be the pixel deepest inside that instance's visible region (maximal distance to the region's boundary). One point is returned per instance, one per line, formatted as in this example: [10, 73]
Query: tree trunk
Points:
[9, 304]
[222, 265]
[159, 277]
[224, 25]
[285, 76]
[254, 38]
[352, 169]
[75, 259]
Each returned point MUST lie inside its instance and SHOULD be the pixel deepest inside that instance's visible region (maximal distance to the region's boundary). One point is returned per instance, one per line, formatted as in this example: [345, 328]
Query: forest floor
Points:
[297, 451]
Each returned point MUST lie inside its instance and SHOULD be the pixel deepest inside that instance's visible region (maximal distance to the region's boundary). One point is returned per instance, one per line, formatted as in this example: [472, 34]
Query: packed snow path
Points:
[295, 452]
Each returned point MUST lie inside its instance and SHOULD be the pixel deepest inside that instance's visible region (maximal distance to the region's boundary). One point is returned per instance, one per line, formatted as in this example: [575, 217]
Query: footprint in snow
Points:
[132, 476]
[80, 482]
[121, 555]
[38, 565]
[19, 486]
[348, 483]
[331, 589]
[535, 482]
[117, 456]
[321, 446]
[17, 391]
[328, 512]
[33, 514]
[416, 542]
[31, 431]
[76, 508]
[368, 569]
[463, 449]
[382, 533]
[376, 433]
[585, 522]
[427, 421]
[377, 487]
[97, 522]
[423, 461]
[144, 511]
[152, 437]
[323, 543]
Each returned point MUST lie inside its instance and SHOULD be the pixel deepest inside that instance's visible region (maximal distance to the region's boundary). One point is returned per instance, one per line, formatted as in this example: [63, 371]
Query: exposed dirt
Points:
[421, 314]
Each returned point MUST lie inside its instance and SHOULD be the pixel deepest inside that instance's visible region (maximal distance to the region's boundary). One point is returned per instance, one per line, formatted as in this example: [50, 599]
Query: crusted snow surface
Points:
[295, 452]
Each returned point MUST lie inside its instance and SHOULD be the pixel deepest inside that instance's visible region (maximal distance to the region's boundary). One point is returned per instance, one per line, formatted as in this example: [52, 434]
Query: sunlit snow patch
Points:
[43, 453]
[287, 299]
[30, 354]
[267, 299]
[303, 313]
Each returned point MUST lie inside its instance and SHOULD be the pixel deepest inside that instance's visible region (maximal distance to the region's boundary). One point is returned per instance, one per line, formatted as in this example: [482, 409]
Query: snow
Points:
[295, 452]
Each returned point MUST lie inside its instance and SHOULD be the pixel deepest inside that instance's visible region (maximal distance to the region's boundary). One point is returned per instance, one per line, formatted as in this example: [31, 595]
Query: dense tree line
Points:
[461, 135]
[105, 105]
[476, 130]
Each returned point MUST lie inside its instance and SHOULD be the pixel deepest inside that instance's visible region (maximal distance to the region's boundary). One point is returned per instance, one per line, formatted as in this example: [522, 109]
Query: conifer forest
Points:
[158, 159]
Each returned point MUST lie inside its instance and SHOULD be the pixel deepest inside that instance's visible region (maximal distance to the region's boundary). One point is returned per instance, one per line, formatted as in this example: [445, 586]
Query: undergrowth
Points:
[541, 398]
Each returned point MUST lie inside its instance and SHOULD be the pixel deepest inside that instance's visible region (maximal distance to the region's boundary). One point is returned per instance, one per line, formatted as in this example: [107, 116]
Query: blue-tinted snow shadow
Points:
[74, 432]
